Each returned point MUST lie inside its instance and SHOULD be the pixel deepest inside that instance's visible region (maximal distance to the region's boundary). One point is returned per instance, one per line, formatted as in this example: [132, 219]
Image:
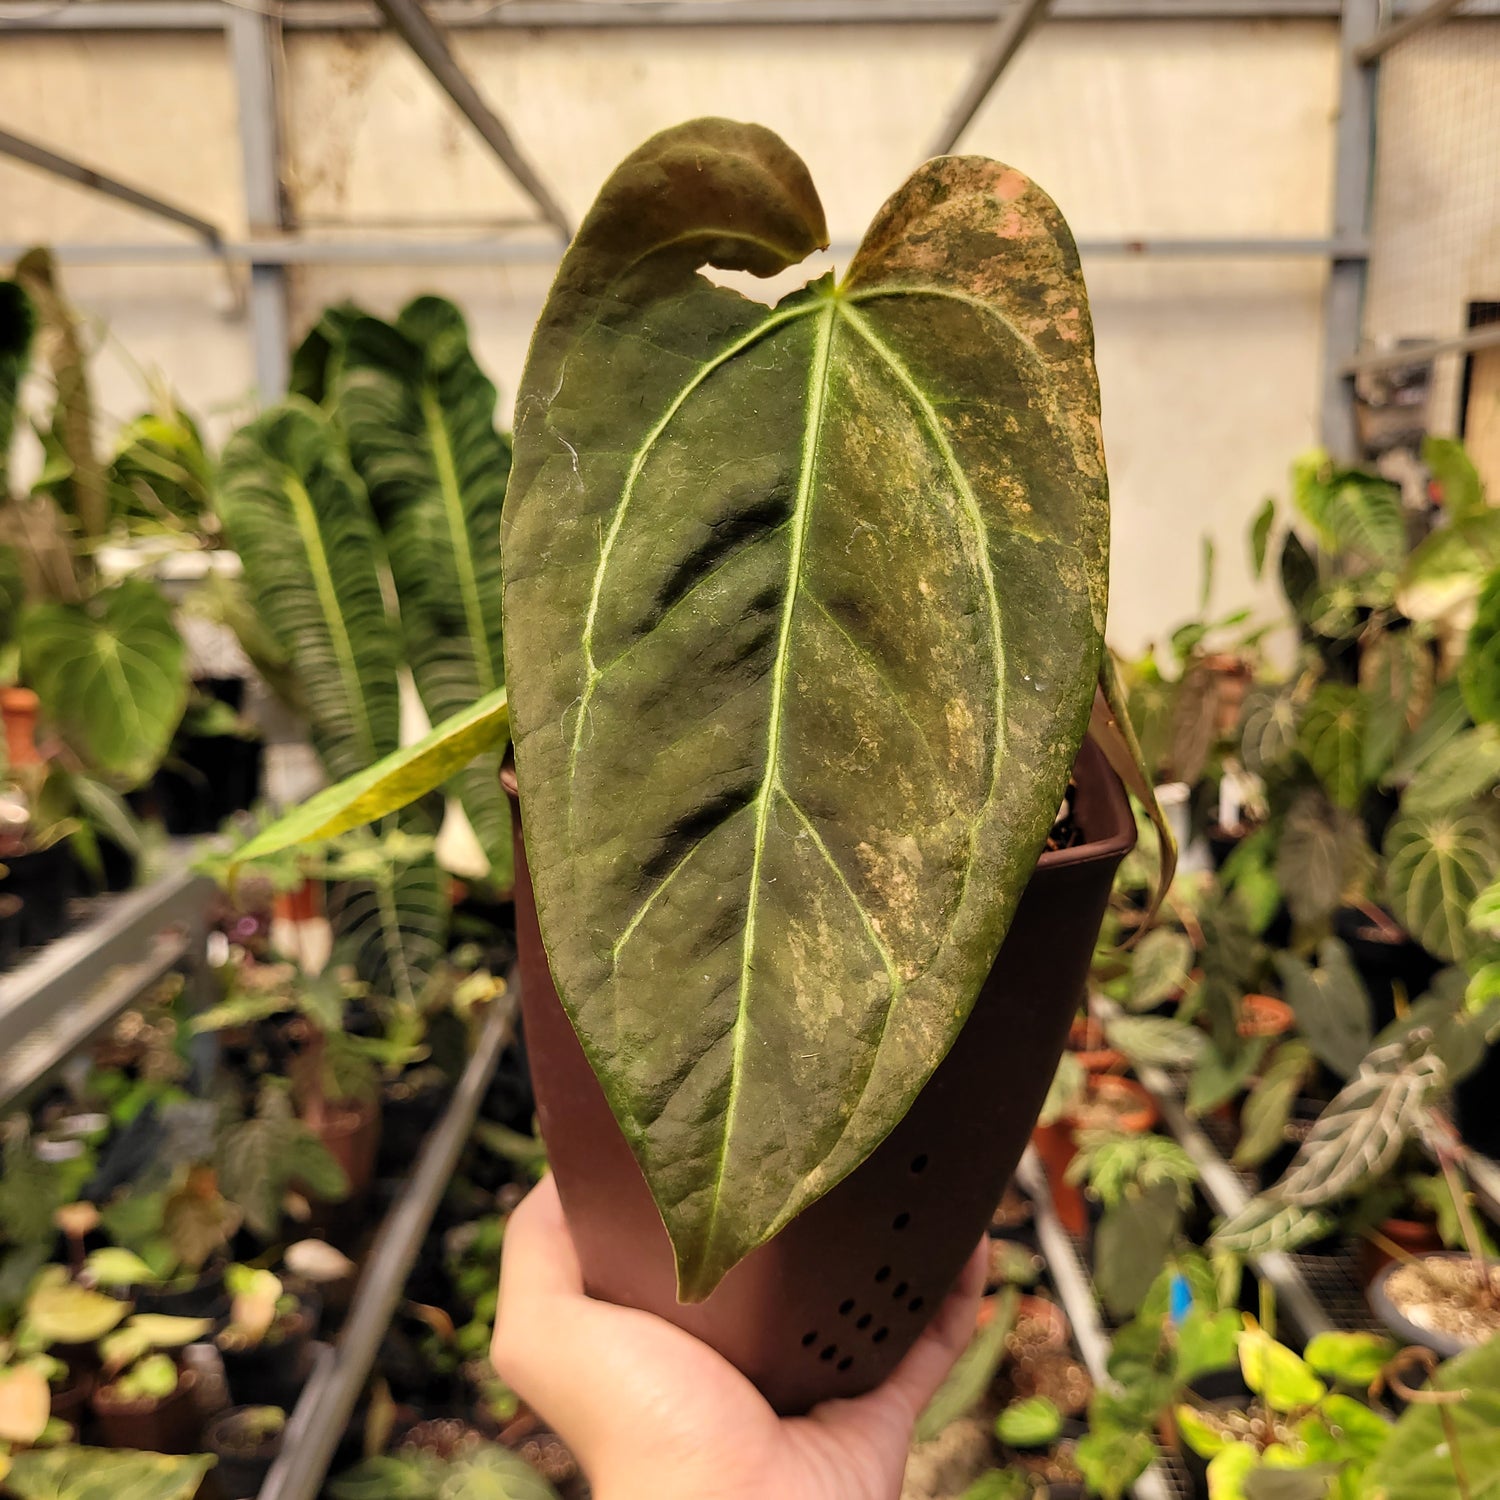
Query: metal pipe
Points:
[1010, 31]
[397, 250]
[422, 35]
[1485, 337]
[330, 1397]
[36, 155]
[340, 15]
[1353, 167]
[1398, 31]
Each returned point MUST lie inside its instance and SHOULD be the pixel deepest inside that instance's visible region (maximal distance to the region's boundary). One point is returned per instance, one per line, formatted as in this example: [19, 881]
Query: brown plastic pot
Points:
[171, 1425]
[350, 1133]
[828, 1307]
[1414, 1236]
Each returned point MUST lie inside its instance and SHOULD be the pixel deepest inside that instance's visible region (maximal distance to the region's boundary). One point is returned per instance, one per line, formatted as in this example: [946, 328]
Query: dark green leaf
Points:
[1396, 676]
[298, 516]
[1299, 575]
[1353, 1359]
[109, 673]
[1131, 1242]
[1269, 722]
[1268, 1106]
[1332, 739]
[1445, 718]
[835, 574]
[1322, 849]
[1466, 767]
[1331, 1006]
[70, 1473]
[1159, 967]
[1032, 1423]
[420, 419]
[1479, 671]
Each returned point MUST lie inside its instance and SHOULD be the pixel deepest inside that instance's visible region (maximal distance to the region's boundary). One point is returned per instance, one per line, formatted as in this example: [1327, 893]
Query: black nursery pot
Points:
[218, 775]
[43, 883]
[829, 1306]
[273, 1373]
[1384, 964]
[243, 1460]
[203, 1298]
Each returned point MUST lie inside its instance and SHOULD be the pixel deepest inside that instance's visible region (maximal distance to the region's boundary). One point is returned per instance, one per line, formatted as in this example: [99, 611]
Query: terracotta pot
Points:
[1265, 1015]
[1131, 1107]
[1414, 1236]
[1055, 1146]
[171, 1425]
[351, 1134]
[19, 706]
[1086, 1043]
[828, 1307]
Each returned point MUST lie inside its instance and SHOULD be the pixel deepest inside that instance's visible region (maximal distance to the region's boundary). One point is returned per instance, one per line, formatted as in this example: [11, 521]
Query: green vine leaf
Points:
[1437, 863]
[833, 571]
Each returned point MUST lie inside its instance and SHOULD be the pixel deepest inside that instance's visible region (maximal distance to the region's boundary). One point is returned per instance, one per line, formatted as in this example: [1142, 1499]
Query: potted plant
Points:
[1144, 1185]
[484, 1468]
[144, 1398]
[245, 1440]
[861, 1150]
[264, 1344]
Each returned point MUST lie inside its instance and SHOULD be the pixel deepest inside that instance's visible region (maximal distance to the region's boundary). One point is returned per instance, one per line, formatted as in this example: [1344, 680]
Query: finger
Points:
[539, 1253]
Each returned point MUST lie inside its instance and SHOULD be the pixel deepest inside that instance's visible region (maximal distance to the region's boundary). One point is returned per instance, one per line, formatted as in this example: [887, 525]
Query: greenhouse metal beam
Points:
[1353, 169]
[252, 39]
[1398, 31]
[36, 155]
[1486, 336]
[338, 15]
[422, 34]
[1010, 31]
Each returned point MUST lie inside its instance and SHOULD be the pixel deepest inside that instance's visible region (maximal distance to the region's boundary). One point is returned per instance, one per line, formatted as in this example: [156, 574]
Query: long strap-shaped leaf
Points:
[419, 417]
[803, 616]
[298, 516]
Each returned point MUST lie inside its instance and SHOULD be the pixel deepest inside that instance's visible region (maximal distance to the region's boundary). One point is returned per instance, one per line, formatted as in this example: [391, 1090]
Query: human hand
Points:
[653, 1414]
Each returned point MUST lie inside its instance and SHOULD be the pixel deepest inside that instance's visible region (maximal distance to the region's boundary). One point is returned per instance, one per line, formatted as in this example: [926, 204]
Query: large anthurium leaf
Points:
[1436, 864]
[17, 325]
[419, 416]
[109, 673]
[299, 518]
[803, 611]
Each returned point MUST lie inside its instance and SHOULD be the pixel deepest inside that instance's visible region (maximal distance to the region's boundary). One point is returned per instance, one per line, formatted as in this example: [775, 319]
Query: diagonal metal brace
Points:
[1014, 26]
[421, 33]
[62, 166]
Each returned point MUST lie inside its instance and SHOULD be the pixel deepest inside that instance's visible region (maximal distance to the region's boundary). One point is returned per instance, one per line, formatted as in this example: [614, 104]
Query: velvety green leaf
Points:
[1218, 1078]
[390, 784]
[61, 1312]
[1298, 573]
[71, 1473]
[1445, 719]
[1260, 535]
[1466, 767]
[1437, 863]
[1159, 967]
[1352, 510]
[298, 516]
[161, 474]
[1457, 478]
[1157, 1041]
[419, 415]
[974, 1371]
[410, 1477]
[1130, 1244]
[1417, 1463]
[1332, 1009]
[1206, 1341]
[1396, 674]
[109, 673]
[1282, 1378]
[1269, 722]
[1321, 851]
[1200, 1435]
[1442, 578]
[317, 360]
[803, 612]
[1349, 1358]
[1032, 1423]
[1268, 1106]
[1332, 739]
[1479, 671]
[17, 326]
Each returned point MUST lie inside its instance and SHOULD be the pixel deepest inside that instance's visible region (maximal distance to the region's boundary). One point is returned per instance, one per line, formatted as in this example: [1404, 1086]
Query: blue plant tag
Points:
[1179, 1299]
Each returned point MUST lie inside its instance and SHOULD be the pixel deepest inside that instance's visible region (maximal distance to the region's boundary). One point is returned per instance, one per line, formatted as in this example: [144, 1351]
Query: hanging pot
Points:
[828, 1307]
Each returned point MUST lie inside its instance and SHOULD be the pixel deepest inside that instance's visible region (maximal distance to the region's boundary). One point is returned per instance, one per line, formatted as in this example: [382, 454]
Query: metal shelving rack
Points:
[66, 993]
[332, 1391]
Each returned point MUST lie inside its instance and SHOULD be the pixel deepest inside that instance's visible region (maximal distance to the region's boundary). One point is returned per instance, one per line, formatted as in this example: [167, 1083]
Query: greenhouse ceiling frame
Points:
[272, 246]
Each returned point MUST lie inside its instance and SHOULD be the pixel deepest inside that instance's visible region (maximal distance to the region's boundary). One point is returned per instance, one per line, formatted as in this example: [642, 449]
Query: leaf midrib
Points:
[458, 530]
[305, 517]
